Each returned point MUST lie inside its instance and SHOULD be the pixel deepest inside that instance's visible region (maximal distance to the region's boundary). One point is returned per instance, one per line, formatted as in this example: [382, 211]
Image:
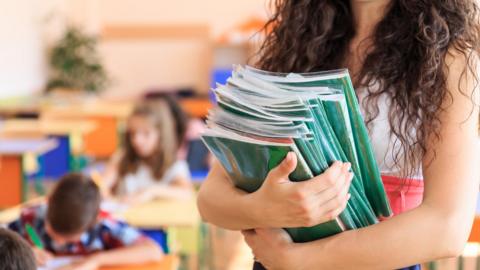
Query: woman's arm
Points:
[279, 202]
[438, 228]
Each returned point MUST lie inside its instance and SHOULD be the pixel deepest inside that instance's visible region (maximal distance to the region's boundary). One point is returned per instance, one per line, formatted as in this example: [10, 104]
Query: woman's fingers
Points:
[327, 204]
[330, 178]
[340, 189]
[331, 209]
[281, 172]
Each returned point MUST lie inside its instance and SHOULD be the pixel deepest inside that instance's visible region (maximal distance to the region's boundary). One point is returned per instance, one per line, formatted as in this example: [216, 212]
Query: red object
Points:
[408, 195]
[403, 194]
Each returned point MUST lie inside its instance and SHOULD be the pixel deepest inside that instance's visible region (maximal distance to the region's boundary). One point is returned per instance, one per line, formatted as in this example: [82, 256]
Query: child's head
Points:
[150, 138]
[15, 253]
[73, 208]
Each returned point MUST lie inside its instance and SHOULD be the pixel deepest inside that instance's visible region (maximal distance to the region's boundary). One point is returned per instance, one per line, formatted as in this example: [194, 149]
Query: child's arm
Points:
[141, 252]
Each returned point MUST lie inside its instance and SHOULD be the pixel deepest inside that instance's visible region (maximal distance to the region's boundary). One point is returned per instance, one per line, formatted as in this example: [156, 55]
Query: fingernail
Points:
[348, 165]
[350, 176]
[349, 196]
[288, 158]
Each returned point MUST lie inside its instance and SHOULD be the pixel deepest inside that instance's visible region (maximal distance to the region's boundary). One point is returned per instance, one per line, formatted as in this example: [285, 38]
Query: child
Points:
[15, 253]
[148, 166]
[70, 225]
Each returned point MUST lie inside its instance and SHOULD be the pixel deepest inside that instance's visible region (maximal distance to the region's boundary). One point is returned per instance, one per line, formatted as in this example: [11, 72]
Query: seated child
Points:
[70, 224]
[148, 167]
[15, 253]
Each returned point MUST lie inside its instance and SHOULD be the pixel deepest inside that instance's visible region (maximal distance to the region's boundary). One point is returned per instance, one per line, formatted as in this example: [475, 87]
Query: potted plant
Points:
[75, 65]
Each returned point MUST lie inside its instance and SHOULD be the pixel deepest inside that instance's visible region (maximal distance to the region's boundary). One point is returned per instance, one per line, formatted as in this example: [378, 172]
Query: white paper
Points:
[58, 262]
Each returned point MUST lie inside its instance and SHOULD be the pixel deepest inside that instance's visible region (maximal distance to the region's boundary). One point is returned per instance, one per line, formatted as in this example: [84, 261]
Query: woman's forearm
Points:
[224, 206]
[416, 236]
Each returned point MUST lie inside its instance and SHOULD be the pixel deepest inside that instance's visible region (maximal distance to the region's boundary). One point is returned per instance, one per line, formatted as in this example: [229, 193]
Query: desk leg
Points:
[11, 181]
[475, 232]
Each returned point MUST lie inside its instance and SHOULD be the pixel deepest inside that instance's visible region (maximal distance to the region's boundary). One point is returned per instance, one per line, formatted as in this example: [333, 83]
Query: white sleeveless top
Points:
[143, 177]
[385, 144]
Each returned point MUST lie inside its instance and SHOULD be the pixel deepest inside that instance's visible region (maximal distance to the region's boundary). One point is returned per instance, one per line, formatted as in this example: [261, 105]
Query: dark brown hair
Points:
[15, 253]
[160, 115]
[406, 58]
[74, 204]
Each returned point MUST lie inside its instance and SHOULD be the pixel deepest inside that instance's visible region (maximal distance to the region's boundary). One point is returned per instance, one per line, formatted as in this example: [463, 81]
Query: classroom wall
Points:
[167, 63]
[219, 14]
[22, 69]
[134, 64]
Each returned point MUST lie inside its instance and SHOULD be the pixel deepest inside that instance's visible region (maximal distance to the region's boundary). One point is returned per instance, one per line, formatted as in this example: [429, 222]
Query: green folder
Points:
[261, 116]
[340, 79]
[248, 164]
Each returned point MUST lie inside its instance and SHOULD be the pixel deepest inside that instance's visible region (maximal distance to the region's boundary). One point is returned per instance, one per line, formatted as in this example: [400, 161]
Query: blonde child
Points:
[148, 166]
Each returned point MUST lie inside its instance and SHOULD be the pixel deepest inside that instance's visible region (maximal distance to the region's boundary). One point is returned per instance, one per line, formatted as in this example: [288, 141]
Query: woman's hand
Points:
[287, 204]
[273, 248]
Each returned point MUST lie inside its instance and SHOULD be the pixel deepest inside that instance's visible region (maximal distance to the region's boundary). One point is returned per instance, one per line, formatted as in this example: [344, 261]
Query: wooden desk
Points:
[104, 108]
[104, 140]
[14, 159]
[69, 134]
[19, 105]
[162, 213]
[35, 128]
[153, 215]
[180, 219]
[169, 262]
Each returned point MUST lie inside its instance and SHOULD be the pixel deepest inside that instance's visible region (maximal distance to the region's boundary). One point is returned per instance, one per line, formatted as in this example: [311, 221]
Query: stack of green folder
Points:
[261, 116]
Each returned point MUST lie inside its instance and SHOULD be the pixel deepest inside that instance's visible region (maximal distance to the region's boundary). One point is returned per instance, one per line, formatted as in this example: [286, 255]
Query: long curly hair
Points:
[405, 61]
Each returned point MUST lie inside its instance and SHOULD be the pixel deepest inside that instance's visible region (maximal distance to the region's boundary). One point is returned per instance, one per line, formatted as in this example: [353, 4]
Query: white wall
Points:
[139, 65]
[219, 14]
[134, 65]
[22, 69]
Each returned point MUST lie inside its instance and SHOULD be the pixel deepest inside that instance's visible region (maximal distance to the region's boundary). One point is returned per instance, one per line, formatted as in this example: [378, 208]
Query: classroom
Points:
[232, 135]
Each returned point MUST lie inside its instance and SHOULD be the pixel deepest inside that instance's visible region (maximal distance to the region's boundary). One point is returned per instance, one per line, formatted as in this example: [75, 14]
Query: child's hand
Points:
[41, 256]
[84, 264]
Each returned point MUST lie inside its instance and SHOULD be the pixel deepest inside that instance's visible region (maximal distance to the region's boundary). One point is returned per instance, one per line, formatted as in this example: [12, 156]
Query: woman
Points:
[414, 67]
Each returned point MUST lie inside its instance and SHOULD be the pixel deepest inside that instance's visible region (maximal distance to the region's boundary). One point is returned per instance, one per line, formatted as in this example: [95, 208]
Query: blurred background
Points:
[71, 72]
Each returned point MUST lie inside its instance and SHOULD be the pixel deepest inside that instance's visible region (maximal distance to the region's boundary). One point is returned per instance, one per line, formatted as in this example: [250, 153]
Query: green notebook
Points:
[248, 161]
[340, 80]
[261, 116]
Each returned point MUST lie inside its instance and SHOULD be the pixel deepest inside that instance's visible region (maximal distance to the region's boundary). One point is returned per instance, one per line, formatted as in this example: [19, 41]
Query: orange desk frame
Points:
[11, 180]
[103, 141]
[475, 233]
